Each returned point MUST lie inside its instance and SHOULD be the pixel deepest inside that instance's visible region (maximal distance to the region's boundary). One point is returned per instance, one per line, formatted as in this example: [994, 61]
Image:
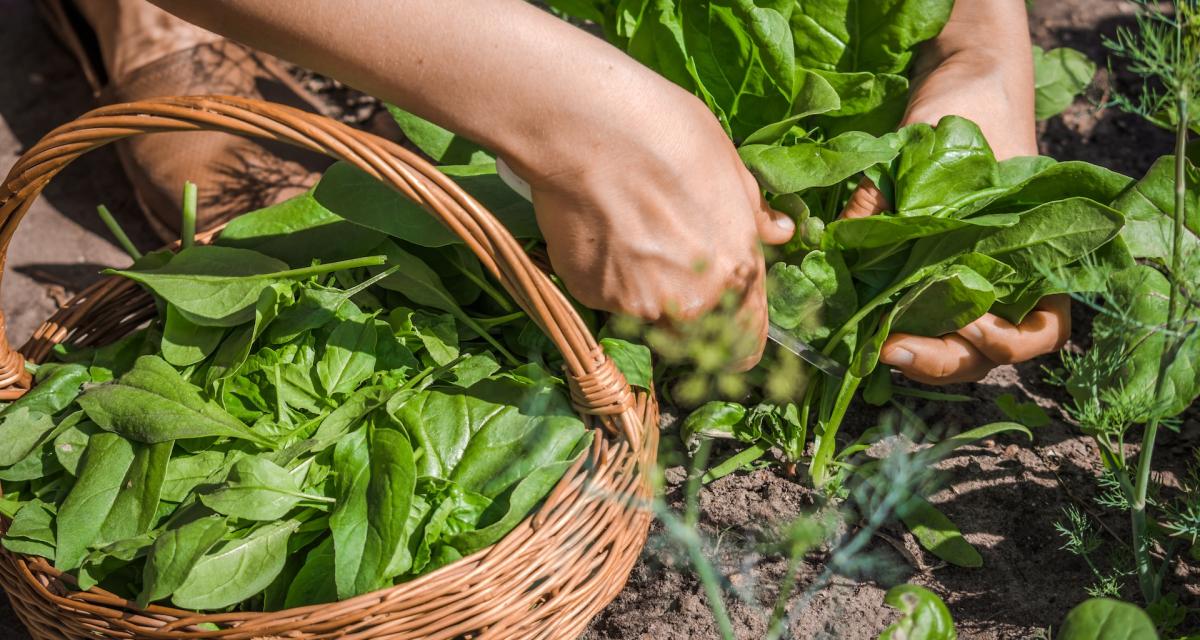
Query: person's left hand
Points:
[991, 84]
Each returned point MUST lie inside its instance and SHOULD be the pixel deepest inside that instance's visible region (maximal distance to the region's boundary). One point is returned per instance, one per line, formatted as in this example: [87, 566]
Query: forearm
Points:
[983, 59]
[502, 72]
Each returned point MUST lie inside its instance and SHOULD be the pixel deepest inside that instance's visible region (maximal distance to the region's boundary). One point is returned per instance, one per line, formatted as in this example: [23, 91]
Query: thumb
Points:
[774, 227]
[867, 200]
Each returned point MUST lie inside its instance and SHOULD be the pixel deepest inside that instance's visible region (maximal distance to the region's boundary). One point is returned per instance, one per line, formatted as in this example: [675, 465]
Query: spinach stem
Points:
[115, 228]
[187, 230]
[735, 462]
[319, 269]
[819, 466]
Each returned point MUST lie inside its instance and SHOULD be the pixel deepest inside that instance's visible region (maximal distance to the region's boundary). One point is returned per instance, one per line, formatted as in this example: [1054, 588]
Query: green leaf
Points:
[443, 146]
[235, 349]
[1106, 619]
[923, 615]
[83, 512]
[938, 535]
[1040, 241]
[870, 102]
[349, 356]
[772, 36]
[1059, 76]
[27, 422]
[153, 403]
[175, 553]
[938, 167]
[884, 230]
[236, 569]
[31, 531]
[474, 368]
[808, 164]
[945, 303]
[813, 95]
[356, 196]
[813, 298]
[257, 489]
[297, 231]
[489, 437]
[633, 360]
[376, 480]
[1027, 413]
[184, 342]
[947, 445]
[218, 286]
[185, 473]
[1138, 298]
[314, 582]
[1149, 209]
[847, 35]
[133, 512]
[714, 419]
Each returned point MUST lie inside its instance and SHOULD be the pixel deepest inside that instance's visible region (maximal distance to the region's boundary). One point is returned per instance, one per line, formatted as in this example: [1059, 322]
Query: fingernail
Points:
[899, 357]
[972, 332]
[785, 223]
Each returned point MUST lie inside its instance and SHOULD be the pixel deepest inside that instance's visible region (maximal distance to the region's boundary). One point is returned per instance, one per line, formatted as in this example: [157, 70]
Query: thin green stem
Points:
[115, 228]
[187, 230]
[1148, 578]
[735, 462]
[342, 265]
[819, 467]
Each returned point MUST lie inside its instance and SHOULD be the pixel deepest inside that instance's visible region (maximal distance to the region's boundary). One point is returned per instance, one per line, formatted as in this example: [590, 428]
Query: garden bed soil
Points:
[1004, 493]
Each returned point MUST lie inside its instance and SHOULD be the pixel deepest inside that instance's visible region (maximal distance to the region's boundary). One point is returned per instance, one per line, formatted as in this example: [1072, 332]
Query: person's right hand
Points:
[661, 219]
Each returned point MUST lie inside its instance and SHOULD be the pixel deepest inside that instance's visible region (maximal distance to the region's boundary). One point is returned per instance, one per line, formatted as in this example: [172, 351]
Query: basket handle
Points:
[598, 388]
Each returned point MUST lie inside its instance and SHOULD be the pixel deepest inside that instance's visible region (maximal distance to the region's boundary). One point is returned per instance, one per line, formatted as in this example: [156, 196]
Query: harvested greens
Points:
[305, 421]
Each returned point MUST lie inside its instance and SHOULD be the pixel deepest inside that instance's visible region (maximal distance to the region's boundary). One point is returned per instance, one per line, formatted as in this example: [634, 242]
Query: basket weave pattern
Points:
[546, 579]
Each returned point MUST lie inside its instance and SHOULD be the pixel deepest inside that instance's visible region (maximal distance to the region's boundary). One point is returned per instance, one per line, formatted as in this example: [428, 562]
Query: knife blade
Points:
[805, 351]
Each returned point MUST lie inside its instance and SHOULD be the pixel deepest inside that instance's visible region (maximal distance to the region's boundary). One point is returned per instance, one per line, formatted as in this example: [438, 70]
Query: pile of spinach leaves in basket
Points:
[323, 407]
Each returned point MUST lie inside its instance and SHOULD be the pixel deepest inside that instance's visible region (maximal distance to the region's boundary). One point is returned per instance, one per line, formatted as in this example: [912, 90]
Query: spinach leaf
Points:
[877, 231]
[184, 342]
[813, 298]
[808, 164]
[31, 531]
[848, 35]
[133, 512]
[258, 489]
[1149, 209]
[938, 534]
[356, 196]
[297, 231]
[870, 102]
[1040, 241]
[940, 166]
[443, 146]
[174, 555]
[218, 286]
[632, 359]
[349, 356]
[1059, 76]
[152, 403]
[374, 499]
[185, 473]
[83, 512]
[947, 302]
[489, 437]
[923, 615]
[1103, 618]
[314, 583]
[236, 569]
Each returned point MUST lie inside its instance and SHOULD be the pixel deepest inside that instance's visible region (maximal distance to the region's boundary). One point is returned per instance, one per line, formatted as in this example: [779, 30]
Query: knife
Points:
[806, 351]
[776, 333]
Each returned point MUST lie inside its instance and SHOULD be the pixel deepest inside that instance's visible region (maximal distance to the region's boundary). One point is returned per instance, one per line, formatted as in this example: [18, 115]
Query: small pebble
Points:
[1011, 451]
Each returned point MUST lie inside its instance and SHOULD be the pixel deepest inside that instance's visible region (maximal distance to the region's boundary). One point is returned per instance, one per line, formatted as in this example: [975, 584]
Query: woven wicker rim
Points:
[547, 578]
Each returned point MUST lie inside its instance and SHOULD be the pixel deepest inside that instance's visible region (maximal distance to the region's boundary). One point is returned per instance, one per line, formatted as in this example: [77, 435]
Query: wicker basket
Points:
[546, 579]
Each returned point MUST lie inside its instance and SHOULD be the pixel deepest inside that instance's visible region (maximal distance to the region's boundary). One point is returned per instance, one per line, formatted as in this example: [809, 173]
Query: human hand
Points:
[991, 83]
[661, 221]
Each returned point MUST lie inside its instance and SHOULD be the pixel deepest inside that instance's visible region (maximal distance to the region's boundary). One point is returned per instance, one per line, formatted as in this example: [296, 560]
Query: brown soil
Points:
[1004, 493]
